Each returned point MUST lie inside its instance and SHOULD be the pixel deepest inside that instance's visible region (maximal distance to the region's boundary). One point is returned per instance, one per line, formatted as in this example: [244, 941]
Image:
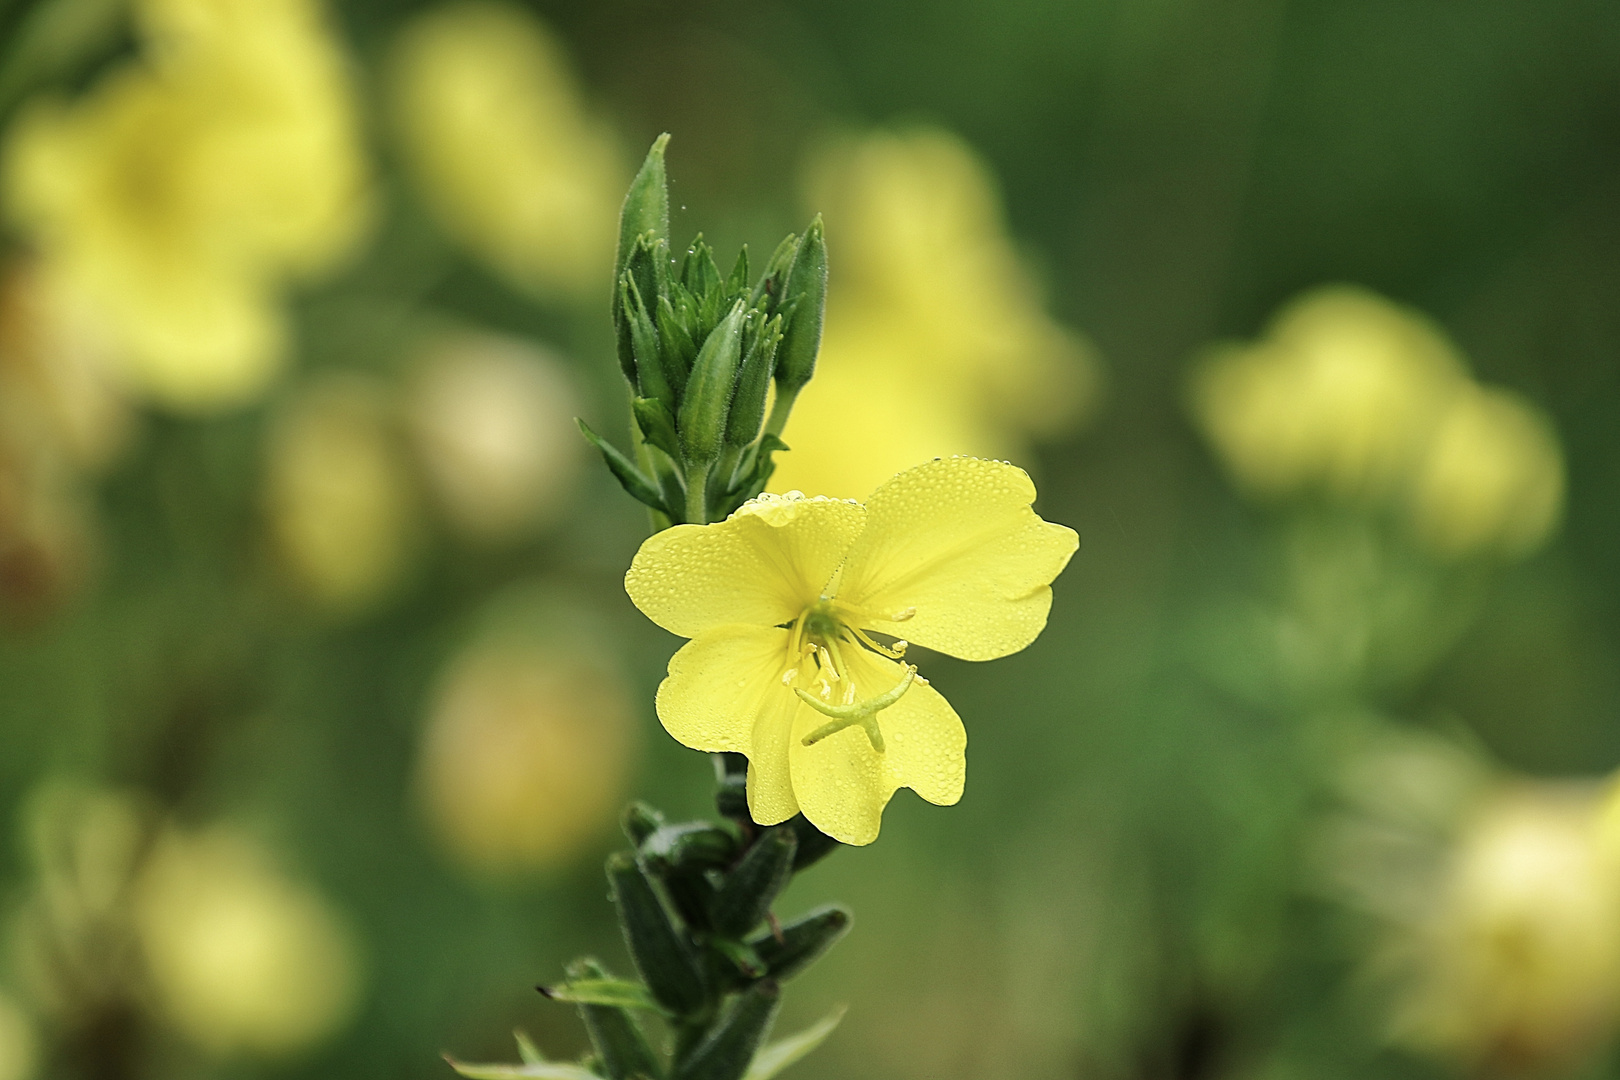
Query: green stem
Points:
[697, 495]
[779, 413]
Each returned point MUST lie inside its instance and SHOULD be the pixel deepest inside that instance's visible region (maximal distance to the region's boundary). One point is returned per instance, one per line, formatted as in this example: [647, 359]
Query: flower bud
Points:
[730, 1047]
[806, 291]
[802, 941]
[748, 891]
[707, 403]
[754, 380]
[646, 204]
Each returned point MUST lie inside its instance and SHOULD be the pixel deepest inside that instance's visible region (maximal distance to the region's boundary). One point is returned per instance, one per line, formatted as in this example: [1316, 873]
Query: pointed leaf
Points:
[619, 993]
[623, 469]
[784, 1052]
[545, 1070]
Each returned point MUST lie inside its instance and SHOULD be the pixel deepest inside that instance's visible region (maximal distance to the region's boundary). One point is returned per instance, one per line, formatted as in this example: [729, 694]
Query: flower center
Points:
[817, 656]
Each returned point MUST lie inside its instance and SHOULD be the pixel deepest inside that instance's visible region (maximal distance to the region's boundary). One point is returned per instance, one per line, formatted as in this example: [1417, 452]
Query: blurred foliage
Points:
[320, 688]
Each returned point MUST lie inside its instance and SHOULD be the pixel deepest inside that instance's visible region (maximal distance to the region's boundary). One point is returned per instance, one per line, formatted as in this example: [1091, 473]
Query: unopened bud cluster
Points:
[702, 351]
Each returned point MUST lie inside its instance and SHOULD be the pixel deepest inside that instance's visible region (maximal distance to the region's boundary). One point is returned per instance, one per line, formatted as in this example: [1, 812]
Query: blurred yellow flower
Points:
[934, 341]
[1499, 900]
[176, 199]
[241, 958]
[1358, 398]
[338, 493]
[1523, 948]
[508, 157]
[1491, 478]
[19, 1045]
[1341, 394]
[493, 424]
[526, 755]
[780, 600]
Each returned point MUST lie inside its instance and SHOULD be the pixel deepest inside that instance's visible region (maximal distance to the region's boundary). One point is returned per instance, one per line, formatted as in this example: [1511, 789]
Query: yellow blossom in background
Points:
[781, 599]
[492, 419]
[935, 342]
[503, 147]
[1498, 902]
[176, 200]
[1340, 394]
[19, 1045]
[338, 493]
[1491, 478]
[241, 957]
[1358, 398]
[527, 752]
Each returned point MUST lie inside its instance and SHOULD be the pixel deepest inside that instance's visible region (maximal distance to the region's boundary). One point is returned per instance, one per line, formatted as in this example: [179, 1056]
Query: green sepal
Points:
[742, 956]
[528, 1053]
[802, 941]
[680, 349]
[651, 377]
[753, 382]
[646, 205]
[772, 1059]
[656, 943]
[737, 282]
[806, 289]
[707, 403]
[623, 469]
[657, 424]
[691, 845]
[640, 821]
[814, 845]
[748, 891]
[621, 1047]
[729, 1048]
[701, 276]
[767, 294]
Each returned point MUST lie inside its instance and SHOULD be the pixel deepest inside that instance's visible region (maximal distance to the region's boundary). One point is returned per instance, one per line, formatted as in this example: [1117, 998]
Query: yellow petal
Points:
[955, 540]
[842, 784]
[762, 566]
[724, 693]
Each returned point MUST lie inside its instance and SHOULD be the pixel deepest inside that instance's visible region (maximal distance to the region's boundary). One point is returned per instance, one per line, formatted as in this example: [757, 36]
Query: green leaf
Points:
[623, 469]
[729, 1048]
[784, 1052]
[527, 1051]
[656, 943]
[657, 424]
[543, 1070]
[619, 993]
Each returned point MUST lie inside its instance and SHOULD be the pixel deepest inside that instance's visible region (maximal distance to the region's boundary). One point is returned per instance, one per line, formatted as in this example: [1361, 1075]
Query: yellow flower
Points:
[242, 958]
[781, 601]
[509, 159]
[936, 342]
[526, 755]
[177, 197]
[1492, 478]
[1340, 395]
[492, 419]
[339, 495]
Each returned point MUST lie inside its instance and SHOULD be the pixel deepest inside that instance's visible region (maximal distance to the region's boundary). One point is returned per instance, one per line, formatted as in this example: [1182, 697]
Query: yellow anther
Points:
[902, 616]
[789, 675]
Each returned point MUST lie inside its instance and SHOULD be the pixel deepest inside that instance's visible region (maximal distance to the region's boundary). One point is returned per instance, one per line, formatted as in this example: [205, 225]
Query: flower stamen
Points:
[893, 652]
